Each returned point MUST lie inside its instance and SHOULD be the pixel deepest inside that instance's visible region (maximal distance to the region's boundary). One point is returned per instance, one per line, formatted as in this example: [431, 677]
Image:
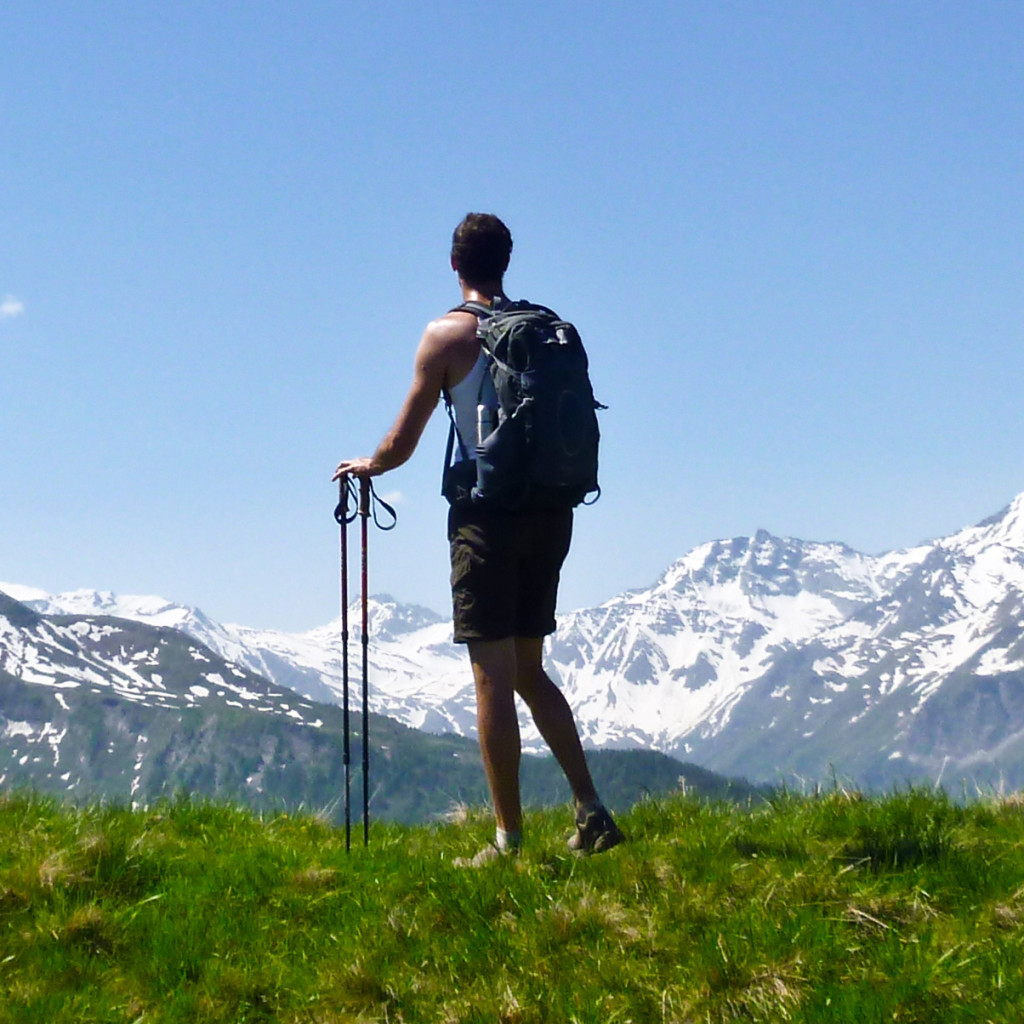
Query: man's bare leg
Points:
[553, 717]
[494, 672]
[501, 669]
[596, 830]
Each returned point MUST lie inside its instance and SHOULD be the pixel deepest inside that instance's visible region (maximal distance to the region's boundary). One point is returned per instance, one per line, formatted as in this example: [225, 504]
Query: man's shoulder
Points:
[455, 320]
[455, 328]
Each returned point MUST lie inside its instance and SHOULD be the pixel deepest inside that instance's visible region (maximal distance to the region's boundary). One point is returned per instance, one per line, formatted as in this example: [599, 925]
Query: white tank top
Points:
[476, 388]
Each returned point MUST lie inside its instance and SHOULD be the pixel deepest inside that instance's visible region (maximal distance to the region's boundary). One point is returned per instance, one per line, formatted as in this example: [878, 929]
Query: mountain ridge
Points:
[103, 707]
[758, 656]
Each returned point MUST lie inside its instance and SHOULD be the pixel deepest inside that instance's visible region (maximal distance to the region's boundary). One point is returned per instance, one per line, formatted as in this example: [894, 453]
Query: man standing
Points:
[505, 565]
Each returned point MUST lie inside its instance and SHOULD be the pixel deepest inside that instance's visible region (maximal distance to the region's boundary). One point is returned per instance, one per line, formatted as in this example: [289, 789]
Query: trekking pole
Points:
[364, 512]
[369, 501]
[343, 516]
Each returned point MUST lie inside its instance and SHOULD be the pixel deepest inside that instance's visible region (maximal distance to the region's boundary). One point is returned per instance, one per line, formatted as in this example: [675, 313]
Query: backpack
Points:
[542, 453]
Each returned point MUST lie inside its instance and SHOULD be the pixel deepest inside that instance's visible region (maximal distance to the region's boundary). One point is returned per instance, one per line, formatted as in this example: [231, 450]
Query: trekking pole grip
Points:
[344, 511]
[365, 489]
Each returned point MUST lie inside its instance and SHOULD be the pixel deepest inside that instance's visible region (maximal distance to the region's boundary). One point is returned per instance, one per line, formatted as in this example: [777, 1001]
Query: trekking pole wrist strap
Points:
[350, 505]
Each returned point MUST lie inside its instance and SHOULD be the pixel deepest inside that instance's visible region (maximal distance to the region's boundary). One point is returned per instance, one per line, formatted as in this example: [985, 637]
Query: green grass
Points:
[837, 908]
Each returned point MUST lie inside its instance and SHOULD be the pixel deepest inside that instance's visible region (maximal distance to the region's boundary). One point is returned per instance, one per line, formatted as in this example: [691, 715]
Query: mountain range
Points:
[96, 706]
[765, 657]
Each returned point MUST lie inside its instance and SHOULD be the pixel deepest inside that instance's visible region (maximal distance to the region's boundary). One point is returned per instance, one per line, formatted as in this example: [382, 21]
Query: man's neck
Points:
[485, 293]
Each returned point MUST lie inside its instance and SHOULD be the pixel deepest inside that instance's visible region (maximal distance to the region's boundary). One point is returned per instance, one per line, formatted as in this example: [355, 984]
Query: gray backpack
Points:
[542, 452]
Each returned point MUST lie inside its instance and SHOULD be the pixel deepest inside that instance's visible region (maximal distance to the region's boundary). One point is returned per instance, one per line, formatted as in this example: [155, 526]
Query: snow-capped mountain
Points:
[927, 679]
[669, 663]
[416, 674]
[769, 656]
[95, 706]
[758, 656]
[67, 652]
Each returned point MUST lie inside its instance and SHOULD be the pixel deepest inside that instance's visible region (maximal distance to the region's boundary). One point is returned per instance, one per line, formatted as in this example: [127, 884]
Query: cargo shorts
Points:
[505, 571]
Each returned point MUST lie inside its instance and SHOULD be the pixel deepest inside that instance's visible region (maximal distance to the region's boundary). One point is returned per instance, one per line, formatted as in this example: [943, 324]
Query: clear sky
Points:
[789, 232]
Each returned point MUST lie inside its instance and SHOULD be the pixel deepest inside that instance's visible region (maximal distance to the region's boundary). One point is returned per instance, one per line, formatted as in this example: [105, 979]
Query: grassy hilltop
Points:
[829, 909]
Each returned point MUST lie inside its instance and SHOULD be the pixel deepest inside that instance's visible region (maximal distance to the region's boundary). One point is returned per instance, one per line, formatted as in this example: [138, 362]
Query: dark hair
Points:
[481, 247]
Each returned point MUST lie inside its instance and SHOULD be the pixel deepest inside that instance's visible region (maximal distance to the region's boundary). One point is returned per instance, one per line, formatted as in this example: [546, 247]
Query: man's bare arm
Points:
[429, 375]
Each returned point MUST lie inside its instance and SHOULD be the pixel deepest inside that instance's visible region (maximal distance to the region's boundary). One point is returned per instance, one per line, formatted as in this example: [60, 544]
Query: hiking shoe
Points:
[490, 854]
[596, 831]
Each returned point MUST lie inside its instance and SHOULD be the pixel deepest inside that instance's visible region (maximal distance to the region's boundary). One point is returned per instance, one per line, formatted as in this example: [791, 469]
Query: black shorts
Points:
[505, 569]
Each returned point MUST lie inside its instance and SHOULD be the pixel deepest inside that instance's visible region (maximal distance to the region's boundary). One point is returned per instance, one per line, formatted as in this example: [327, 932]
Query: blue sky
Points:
[790, 234]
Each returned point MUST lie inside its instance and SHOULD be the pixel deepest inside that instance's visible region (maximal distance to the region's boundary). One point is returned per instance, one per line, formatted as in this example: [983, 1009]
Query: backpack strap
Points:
[453, 434]
[482, 312]
[478, 309]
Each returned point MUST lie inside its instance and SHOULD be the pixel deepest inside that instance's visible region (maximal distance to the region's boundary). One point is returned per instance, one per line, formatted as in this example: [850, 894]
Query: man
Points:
[505, 566]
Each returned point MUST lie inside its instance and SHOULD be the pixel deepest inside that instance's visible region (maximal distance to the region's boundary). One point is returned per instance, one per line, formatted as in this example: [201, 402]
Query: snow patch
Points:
[14, 728]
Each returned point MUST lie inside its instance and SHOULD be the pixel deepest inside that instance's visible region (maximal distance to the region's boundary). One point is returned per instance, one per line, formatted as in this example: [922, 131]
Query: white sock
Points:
[507, 840]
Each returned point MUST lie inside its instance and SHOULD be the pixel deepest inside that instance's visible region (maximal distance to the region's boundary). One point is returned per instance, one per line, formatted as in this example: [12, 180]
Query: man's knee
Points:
[532, 682]
[534, 685]
[494, 662]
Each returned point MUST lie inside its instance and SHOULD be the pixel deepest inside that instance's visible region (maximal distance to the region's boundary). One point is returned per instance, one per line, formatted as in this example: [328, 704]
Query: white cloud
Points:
[10, 306]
